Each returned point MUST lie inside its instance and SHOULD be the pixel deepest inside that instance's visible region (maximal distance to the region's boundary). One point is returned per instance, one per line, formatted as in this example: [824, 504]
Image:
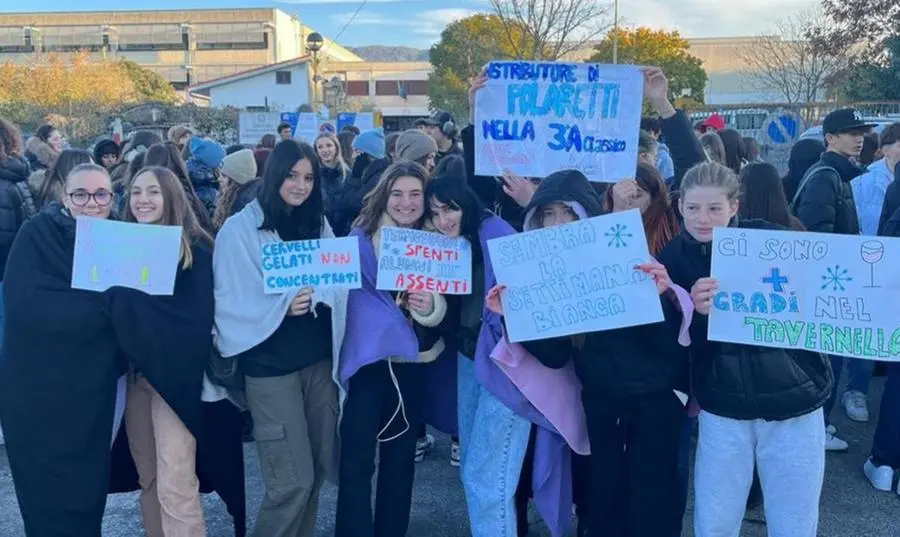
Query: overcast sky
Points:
[418, 23]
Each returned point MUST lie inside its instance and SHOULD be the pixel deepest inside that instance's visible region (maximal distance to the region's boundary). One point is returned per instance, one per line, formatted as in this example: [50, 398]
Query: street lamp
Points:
[314, 42]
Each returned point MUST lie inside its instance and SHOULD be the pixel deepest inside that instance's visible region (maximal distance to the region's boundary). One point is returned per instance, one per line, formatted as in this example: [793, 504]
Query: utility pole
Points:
[616, 33]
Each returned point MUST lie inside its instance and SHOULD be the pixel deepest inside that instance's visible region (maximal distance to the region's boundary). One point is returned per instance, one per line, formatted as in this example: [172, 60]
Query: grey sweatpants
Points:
[790, 458]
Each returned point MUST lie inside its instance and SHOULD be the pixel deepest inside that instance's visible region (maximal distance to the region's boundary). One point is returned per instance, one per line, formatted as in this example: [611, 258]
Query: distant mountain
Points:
[380, 53]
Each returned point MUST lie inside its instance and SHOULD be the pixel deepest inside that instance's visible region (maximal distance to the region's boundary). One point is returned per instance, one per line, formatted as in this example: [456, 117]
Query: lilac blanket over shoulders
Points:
[376, 328]
[552, 470]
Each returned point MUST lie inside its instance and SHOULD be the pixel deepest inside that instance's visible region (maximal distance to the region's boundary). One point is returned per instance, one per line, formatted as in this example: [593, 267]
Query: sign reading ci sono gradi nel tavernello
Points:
[835, 294]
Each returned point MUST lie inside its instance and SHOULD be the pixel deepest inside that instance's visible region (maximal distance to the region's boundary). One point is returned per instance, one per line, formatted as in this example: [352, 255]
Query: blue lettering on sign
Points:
[568, 137]
[579, 101]
[504, 129]
[553, 72]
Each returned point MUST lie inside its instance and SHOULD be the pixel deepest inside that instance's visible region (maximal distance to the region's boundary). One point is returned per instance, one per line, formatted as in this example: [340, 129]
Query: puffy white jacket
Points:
[868, 194]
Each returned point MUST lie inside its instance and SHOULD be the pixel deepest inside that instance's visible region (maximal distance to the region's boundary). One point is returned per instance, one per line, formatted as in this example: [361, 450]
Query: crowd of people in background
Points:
[331, 383]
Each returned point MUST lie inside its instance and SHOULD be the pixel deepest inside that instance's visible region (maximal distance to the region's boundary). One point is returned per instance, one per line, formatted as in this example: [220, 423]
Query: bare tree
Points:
[790, 61]
[550, 29]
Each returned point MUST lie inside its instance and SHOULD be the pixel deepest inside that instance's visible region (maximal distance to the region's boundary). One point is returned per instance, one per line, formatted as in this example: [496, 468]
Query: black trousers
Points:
[634, 465]
[371, 402]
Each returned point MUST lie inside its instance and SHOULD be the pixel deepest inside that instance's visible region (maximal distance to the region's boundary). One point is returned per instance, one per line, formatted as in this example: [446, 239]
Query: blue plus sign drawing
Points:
[777, 280]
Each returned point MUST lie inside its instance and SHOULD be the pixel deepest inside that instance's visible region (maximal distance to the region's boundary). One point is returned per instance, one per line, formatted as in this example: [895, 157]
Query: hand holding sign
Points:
[659, 274]
[518, 188]
[656, 89]
[301, 303]
[493, 299]
[702, 294]
[421, 303]
[477, 83]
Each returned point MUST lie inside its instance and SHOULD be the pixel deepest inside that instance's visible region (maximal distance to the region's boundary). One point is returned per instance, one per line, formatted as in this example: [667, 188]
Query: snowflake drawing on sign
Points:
[396, 251]
[617, 235]
[836, 277]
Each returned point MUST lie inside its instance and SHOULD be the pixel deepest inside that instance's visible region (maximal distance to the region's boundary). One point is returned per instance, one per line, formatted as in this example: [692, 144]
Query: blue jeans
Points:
[492, 442]
[859, 374]
[886, 446]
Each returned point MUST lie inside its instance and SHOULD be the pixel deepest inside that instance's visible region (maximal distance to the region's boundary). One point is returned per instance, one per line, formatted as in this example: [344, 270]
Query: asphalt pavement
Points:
[850, 506]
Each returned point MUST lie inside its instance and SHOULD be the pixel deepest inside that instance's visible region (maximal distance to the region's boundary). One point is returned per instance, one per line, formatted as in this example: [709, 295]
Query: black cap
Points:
[439, 117]
[844, 120]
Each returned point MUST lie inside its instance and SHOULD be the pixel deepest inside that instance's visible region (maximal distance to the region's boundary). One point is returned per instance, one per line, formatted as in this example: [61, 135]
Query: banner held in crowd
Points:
[319, 263]
[139, 256]
[414, 260]
[575, 278]
[536, 118]
[818, 292]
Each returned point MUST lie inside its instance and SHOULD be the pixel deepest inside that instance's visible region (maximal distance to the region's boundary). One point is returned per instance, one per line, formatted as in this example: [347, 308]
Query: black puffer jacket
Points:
[16, 203]
[611, 364]
[744, 382]
[825, 202]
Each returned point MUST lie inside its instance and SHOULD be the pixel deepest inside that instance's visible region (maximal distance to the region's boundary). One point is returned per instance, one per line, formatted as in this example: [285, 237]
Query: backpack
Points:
[806, 177]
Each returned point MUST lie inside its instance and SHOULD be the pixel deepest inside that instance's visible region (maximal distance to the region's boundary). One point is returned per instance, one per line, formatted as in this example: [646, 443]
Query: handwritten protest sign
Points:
[576, 278]
[835, 294]
[140, 256]
[413, 260]
[536, 118]
[290, 266]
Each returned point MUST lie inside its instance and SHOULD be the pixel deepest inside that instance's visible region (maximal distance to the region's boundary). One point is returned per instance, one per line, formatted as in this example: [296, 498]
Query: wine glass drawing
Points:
[872, 252]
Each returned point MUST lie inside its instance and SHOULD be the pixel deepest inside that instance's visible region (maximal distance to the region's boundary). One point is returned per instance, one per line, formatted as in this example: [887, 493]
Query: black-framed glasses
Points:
[80, 198]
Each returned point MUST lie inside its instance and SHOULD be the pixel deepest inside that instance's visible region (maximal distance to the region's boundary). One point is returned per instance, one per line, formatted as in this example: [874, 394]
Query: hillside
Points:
[381, 53]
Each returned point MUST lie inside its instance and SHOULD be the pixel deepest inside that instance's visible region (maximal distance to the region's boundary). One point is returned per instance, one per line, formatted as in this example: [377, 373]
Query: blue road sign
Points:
[783, 128]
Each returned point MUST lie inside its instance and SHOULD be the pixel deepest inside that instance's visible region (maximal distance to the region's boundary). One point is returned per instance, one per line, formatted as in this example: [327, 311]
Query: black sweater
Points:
[623, 363]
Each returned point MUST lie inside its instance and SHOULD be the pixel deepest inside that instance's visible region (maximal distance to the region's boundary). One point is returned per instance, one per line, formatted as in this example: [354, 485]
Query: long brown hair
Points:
[762, 196]
[660, 221]
[375, 202]
[224, 203]
[177, 211]
[10, 140]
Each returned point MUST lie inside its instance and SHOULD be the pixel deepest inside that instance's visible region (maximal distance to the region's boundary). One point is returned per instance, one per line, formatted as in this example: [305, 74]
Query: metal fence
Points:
[752, 120]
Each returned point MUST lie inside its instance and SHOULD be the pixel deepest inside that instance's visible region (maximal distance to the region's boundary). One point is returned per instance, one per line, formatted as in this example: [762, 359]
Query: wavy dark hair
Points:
[375, 202]
[453, 191]
[10, 140]
[304, 221]
[762, 196]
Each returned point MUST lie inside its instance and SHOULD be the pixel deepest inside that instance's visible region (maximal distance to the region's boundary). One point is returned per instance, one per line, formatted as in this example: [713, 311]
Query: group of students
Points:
[338, 381]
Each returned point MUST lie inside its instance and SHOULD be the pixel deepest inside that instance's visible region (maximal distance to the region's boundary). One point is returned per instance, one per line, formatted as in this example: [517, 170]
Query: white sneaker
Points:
[881, 477]
[833, 443]
[423, 446]
[454, 454]
[856, 406]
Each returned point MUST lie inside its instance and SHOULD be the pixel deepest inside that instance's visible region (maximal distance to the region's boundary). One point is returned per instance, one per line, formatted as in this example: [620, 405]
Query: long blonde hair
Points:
[177, 211]
[338, 155]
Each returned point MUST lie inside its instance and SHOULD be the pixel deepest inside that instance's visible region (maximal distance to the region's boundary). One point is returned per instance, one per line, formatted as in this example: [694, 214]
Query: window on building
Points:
[282, 77]
[417, 87]
[358, 88]
[148, 37]
[387, 87]
[231, 36]
[71, 38]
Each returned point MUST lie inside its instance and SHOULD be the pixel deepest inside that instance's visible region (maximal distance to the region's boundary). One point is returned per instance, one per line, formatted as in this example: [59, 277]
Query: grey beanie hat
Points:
[415, 144]
[239, 166]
